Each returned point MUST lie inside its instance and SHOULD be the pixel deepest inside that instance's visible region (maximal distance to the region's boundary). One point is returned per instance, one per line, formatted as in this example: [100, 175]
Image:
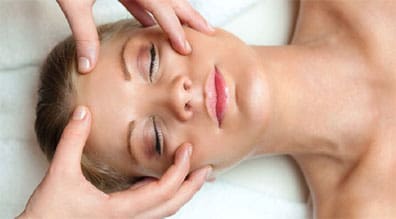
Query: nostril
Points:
[187, 107]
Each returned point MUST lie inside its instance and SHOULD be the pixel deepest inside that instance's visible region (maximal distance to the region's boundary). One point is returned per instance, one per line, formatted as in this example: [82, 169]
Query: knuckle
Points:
[166, 194]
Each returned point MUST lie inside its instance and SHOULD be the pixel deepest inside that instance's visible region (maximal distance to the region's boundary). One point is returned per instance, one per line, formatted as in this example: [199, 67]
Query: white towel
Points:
[219, 12]
[225, 200]
[29, 30]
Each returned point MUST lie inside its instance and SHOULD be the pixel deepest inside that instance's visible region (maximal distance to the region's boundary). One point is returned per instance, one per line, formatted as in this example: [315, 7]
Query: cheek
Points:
[218, 149]
[202, 144]
[221, 149]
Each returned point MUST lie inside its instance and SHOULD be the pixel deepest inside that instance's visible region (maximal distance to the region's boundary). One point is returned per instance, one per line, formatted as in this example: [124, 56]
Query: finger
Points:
[155, 193]
[177, 173]
[188, 15]
[70, 147]
[82, 24]
[170, 24]
[142, 182]
[189, 188]
[138, 12]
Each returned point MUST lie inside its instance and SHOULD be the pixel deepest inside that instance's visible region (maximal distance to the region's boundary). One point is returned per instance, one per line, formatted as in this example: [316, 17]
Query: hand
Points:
[65, 193]
[168, 13]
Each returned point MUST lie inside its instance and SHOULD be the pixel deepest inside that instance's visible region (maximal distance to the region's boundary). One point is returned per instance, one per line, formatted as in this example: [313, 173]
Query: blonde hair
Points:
[56, 103]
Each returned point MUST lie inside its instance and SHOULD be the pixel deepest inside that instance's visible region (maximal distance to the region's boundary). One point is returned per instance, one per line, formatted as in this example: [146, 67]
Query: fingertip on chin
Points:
[204, 174]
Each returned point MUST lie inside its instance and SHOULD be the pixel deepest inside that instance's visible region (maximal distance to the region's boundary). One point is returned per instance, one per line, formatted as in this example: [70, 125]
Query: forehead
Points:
[103, 92]
[107, 95]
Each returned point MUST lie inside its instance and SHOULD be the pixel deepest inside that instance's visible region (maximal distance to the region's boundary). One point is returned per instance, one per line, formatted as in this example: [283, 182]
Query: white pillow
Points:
[30, 29]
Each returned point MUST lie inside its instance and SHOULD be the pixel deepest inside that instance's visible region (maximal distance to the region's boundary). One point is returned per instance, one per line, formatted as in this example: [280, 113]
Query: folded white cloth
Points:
[30, 29]
[224, 200]
[218, 12]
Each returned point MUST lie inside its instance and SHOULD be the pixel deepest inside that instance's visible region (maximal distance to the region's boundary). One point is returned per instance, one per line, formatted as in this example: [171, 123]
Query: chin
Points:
[226, 166]
[226, 162]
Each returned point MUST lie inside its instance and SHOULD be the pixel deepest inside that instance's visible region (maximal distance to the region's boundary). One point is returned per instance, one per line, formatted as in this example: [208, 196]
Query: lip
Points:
[216, 96]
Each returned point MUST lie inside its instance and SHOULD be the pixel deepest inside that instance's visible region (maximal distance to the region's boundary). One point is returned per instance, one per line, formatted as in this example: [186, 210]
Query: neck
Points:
[299, 105]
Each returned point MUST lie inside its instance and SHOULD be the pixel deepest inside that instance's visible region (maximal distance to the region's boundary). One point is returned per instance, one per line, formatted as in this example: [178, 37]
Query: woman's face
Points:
[146, 100]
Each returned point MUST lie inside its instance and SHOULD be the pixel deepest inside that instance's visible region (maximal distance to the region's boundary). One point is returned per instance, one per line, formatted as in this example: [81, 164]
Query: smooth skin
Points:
[327, 100]
[343, 58]
[122, 93]
[167, 194]
[169, 14]
[331, 105]
[55, 197]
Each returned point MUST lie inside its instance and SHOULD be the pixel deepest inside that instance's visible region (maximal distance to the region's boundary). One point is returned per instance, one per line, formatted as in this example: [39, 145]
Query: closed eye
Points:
[153, 56]
[158, 138]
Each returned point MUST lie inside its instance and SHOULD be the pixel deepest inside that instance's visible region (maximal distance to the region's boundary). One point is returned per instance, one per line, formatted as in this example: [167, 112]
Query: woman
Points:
[62, 183]
[326, 100]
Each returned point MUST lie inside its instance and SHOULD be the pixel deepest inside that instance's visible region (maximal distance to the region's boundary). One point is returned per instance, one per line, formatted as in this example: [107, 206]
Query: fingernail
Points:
[187, 46]
[83, 64]
[79, 113]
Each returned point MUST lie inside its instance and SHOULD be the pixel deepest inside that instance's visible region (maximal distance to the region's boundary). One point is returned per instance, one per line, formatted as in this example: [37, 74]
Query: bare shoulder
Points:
[369, 26]
[364, 188]
[368, 189]
[361, 19]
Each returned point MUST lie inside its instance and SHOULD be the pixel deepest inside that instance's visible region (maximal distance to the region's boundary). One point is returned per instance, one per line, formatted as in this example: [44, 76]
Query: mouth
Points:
[216, 92]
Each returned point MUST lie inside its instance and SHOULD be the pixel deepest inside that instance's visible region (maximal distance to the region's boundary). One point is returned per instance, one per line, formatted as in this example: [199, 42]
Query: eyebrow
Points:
[131, 127]
[127, 74]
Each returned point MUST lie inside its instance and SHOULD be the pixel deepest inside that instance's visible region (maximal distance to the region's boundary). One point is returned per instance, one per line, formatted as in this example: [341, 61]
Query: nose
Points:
[180, 97]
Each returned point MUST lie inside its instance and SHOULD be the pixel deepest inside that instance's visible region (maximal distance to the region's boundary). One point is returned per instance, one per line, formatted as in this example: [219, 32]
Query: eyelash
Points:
[158, 137]
[153, 56]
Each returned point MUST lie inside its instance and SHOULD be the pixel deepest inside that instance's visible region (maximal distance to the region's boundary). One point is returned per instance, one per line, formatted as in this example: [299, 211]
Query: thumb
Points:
[81, 21]
[70, 147]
